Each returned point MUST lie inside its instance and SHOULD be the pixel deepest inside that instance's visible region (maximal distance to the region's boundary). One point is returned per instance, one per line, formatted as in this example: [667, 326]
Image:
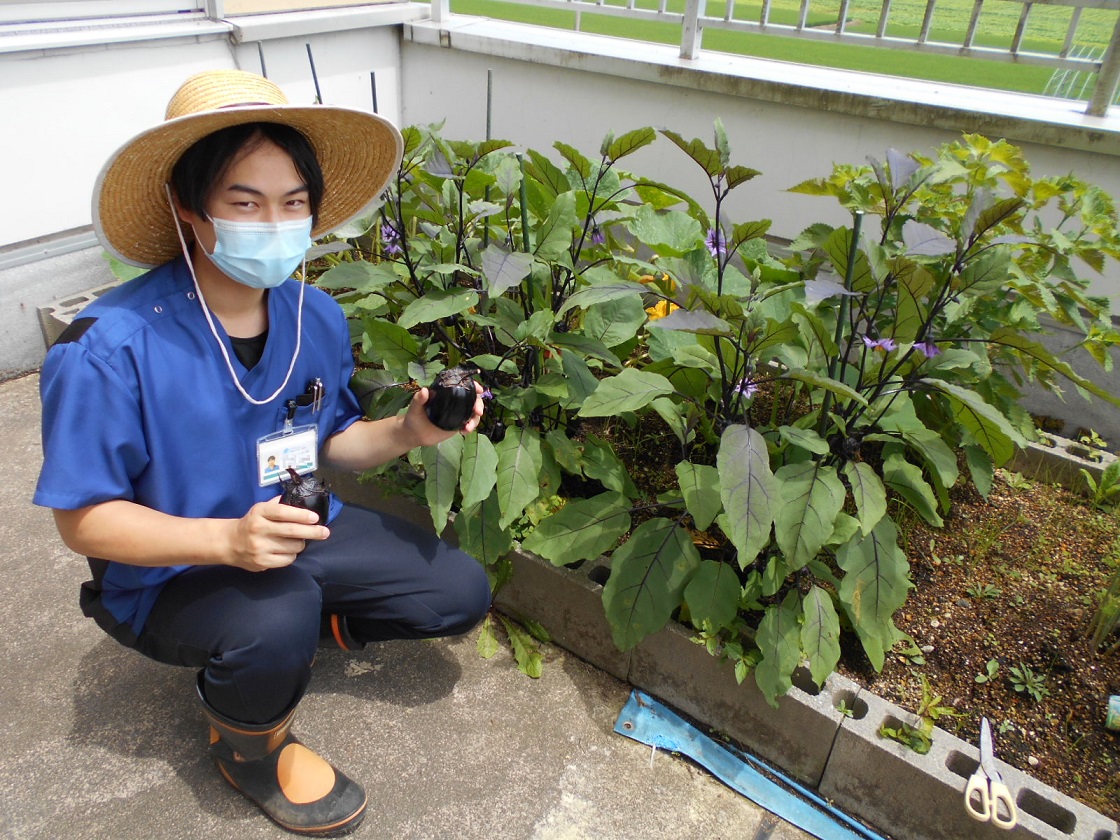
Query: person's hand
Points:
[426, 433]
[272, 535]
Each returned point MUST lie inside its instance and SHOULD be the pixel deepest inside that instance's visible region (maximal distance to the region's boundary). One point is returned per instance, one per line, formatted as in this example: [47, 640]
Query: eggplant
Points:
[451, 398]
[308, 492]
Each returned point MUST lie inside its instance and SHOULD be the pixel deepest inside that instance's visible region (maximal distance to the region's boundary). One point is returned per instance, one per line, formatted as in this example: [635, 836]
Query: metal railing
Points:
[1071, 58]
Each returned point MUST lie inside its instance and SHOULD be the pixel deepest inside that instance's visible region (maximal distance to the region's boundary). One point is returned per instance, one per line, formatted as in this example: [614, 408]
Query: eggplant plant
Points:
[737, 426]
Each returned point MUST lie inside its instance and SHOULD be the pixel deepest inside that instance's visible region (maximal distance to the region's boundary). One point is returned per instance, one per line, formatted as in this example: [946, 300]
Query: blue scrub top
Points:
[141, 406]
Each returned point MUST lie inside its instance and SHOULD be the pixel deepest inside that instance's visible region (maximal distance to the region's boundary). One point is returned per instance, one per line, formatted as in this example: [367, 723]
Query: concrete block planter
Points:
[57, 315]
[921, 797]
[1059, 464]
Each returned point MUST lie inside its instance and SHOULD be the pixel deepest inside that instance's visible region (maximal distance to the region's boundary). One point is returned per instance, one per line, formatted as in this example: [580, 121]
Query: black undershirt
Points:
[249, 350]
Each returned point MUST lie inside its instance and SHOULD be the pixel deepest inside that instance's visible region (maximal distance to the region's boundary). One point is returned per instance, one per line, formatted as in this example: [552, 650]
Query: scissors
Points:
[986, 797]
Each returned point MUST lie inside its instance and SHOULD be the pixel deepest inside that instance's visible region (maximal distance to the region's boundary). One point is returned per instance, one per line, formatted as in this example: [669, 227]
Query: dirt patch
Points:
[1006, 593]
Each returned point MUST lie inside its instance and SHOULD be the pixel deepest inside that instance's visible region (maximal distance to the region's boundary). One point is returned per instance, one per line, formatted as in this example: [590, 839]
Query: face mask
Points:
[261, 255]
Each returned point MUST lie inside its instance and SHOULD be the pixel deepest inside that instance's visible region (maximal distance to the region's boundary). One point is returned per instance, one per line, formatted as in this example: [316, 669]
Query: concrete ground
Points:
[102, 743]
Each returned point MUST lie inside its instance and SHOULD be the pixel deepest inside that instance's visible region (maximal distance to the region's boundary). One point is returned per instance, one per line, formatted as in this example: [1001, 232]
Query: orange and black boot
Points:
[296, 788]
[334, 627]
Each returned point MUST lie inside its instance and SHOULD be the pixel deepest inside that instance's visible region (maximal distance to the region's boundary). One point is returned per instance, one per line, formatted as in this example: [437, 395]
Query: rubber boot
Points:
[334, 627]
[296, 788]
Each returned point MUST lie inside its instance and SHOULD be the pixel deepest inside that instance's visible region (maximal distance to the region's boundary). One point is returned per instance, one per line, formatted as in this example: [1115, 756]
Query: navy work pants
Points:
[255, 634]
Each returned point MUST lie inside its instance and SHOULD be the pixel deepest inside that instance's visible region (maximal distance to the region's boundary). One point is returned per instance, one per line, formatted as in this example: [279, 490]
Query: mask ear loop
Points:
[210, 318]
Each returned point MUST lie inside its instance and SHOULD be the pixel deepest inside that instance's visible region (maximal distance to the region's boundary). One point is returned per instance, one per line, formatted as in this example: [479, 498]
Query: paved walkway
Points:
[102, 743]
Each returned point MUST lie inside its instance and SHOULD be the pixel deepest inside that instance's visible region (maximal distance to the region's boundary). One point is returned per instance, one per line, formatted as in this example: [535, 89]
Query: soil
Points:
[1014, 580]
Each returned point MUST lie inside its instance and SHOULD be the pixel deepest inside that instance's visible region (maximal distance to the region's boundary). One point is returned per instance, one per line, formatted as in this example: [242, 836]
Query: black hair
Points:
[202, 166]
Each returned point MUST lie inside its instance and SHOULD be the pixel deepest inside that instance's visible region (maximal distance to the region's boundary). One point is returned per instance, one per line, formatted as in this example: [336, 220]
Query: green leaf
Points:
[874, 587]
[648, 575]
[601, 293]
[630, 142]
[390, 343]
[820, 634]
[988, 427]
[574, 157]
[628, 391]
[504, 270]
[525, 650]
[478, 472]
[441, 466]
[713, 594]
[479, 533]
[581, 530]
[519, 465]
[748, 490]
[737, 175]
[670, 232]
[676, 417]
[806, 439]
[600, 462]
[700, 485]
[939, 458]
[708, 159]
[487, 644]
[868, 492]
[838, 248]
[699, 321]
[811, 496]
[554, 236]
[546, 174]
[436, 304]
[779, 640]
[614, 322]
[981, 469]
[819, 381]
[360, 276]
[906, 479]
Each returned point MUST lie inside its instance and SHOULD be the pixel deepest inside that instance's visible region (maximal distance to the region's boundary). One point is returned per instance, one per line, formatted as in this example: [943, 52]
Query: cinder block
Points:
[796, 737]
[569, 603]
[57, 315]
[1058, 464]
[921, 797]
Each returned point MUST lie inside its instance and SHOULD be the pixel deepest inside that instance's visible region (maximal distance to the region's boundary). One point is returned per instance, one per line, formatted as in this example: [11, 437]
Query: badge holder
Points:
[296, 447]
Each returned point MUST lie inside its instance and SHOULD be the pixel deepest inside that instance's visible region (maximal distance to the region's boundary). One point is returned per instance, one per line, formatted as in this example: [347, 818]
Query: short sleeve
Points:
[93, 433]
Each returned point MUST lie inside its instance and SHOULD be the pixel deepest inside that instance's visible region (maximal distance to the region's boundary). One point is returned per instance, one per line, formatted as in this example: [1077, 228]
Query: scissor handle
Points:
[1005, 817]
[977, 789]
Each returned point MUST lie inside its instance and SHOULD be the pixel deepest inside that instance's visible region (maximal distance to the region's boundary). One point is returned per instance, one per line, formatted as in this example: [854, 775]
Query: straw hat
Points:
[358, 153]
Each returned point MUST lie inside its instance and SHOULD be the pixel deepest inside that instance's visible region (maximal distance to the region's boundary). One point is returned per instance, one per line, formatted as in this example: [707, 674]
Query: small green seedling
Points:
[990, 671]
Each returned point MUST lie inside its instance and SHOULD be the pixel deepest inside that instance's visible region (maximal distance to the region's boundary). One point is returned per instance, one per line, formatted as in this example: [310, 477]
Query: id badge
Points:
[297, 448]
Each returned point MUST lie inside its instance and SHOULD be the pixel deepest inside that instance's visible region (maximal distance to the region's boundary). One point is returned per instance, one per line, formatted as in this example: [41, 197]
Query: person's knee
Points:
[472, 599]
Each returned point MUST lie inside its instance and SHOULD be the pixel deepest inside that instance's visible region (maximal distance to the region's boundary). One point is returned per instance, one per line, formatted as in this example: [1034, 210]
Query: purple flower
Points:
[597, 236]
[884, 344]
[716, 242]
[487, 394]
[390, 239]
[928, 348]
[746, 388]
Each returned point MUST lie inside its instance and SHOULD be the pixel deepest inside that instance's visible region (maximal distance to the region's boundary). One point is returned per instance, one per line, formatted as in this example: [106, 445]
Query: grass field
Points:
[1045, 33]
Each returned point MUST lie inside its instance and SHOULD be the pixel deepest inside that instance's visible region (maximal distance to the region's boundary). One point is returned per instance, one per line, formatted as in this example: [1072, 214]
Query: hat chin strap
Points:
[210, 318]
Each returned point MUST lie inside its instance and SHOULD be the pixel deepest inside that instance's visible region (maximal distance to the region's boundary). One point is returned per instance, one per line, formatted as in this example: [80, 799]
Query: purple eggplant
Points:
[308, 492]
[451, 398]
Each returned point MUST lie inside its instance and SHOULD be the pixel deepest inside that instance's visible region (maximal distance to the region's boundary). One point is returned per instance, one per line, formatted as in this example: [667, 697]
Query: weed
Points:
[990, 671]
[986, 591]
[1025, 680]
[1105, 493]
